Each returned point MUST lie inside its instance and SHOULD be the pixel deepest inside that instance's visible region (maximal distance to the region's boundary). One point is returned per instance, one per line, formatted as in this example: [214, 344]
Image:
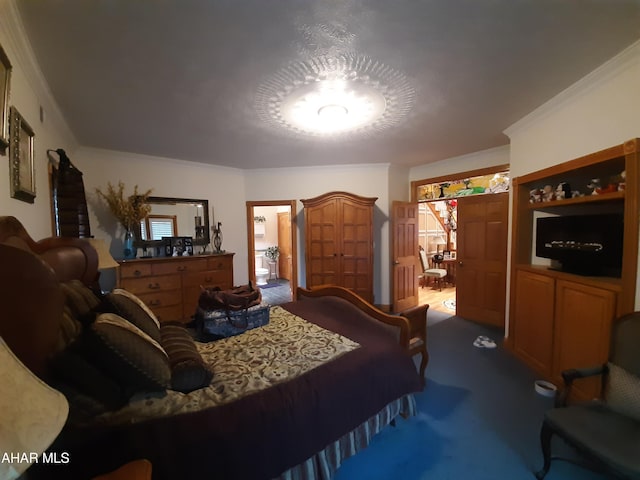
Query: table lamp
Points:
[439, 240]
[32, 415]
[105, 260]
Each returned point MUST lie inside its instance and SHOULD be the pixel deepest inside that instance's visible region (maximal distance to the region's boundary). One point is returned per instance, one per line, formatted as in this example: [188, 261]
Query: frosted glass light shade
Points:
[32, 415]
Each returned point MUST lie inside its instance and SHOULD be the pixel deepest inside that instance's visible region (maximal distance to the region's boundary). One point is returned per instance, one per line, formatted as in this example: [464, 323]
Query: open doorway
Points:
[437, 237]
[272, 249]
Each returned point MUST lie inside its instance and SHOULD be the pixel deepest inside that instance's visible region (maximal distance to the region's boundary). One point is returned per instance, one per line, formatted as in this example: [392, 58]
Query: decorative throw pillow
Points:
[80, 300]
[129, 306]
[127, 354]
[188, 370]
[622, 392]
[88, 390]
[70, 329]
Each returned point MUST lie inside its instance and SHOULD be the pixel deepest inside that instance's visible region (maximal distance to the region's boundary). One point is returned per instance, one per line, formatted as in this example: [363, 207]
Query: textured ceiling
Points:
[180, 78]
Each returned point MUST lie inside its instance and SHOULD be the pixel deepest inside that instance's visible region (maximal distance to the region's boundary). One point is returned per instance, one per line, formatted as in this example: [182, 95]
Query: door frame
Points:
[416, 184]
[251, 250]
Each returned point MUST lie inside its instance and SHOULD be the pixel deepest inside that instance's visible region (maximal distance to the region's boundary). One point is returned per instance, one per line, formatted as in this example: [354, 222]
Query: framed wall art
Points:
[5, 80]
[21, 152]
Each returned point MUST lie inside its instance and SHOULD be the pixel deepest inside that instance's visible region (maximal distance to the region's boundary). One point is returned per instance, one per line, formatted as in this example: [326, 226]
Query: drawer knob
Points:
[155, 303]
[137, 273]
[208, 279]
[154, 286]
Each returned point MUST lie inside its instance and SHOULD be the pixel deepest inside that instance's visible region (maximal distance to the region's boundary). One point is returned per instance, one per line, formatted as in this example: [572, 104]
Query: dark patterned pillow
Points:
[622, 391]
[188, 370]
[80, 299]
[129, 306]
[126, 354]
[70, 329]
[88, 390]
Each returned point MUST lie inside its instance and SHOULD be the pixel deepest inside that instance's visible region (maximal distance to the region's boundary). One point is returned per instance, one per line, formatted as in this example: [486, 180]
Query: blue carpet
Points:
[479, 418]
[269, 285]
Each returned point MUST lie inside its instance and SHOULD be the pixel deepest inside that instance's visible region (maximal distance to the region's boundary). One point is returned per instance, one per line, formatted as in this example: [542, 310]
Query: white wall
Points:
[464, 163]
[29, 92]
[599, 111]
[270, 236]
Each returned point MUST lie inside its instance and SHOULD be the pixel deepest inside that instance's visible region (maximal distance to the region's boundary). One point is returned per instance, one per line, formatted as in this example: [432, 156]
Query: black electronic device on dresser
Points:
[582, 244]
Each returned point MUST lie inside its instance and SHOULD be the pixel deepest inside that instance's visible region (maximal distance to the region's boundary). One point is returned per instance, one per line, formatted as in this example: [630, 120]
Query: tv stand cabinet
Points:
[559, 320]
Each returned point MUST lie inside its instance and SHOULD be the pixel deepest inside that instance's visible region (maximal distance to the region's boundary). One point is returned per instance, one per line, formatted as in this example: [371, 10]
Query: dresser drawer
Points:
[161, 299]
[220, 263]
[151, 284]
[179, 266]
[211, 278]
[135, 270]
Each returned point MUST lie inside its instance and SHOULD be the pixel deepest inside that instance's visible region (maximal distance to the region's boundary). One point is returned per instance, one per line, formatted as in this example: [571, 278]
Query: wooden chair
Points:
[431, 269]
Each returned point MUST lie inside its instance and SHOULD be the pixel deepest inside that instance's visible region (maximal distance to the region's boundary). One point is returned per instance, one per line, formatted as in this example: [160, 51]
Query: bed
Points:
[302, 424]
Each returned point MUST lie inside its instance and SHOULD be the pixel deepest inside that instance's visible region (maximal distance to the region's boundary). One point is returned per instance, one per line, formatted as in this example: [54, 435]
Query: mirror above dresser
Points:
[174, 217]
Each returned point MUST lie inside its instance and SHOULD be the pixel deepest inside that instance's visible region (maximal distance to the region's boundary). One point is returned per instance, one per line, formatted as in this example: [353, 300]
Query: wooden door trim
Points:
[294, 238]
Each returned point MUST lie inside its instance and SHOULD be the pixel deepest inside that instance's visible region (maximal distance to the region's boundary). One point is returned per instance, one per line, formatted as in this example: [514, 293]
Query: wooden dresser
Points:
[170, 286]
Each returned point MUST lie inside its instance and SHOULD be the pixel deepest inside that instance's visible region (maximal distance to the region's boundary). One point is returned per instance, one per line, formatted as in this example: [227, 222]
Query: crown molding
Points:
[22, 54]
[628, 58]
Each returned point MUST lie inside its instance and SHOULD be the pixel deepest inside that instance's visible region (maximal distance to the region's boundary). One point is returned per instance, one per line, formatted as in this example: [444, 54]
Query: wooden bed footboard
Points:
[335, 291]
[412, 323]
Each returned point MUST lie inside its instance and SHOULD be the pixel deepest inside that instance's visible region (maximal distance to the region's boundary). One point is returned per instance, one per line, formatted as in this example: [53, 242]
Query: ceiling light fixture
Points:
[335, 96]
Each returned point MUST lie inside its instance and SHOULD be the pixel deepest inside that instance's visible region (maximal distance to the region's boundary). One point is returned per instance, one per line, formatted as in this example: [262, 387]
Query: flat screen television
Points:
[582, 244]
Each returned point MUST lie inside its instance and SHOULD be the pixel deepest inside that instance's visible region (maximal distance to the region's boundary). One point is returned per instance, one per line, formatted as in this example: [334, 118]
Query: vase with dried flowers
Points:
[128, 209]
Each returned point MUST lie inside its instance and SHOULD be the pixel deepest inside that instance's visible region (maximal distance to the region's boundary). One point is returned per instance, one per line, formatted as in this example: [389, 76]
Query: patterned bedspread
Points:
[351, 375]
[260, 358]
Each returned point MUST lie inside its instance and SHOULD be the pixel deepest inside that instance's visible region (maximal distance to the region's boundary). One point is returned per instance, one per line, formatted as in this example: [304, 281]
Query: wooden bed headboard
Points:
[31, 300]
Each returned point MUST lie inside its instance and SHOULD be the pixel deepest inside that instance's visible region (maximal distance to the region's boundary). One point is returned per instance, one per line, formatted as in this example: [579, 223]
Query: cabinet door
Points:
[323, 261]
[584, 315]
[356, 248]
[533, 320]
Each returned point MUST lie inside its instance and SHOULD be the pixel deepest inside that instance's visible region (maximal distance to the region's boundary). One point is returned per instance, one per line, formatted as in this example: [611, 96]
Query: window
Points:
[154, 227]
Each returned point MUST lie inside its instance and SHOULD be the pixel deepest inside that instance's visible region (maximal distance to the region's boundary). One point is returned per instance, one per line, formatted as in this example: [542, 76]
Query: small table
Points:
[273, 270]
[450, 265]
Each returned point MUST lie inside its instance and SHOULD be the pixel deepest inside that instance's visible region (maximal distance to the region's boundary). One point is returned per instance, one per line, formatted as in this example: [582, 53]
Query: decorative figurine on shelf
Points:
[622, 180]
[535, 195]
[563, 190]
[217, 237]
[548, 193]
[595, 186]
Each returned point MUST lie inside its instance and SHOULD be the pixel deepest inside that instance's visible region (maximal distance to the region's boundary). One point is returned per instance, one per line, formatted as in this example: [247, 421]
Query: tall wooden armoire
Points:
[339, 241]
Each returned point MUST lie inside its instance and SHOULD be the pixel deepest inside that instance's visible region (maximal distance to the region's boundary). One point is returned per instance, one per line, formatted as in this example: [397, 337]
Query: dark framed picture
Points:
[5, 81]
[21, 170]
[178, 246]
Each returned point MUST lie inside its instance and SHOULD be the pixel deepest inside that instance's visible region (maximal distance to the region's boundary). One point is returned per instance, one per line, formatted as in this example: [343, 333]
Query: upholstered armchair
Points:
[606, 431]
[431, 269]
